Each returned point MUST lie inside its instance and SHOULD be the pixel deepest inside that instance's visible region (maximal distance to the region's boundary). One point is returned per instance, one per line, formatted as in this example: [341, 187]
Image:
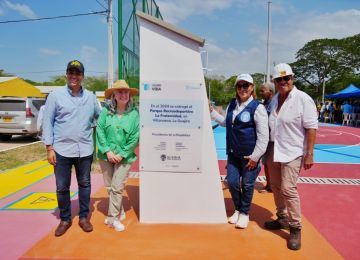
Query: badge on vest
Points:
[245, 117]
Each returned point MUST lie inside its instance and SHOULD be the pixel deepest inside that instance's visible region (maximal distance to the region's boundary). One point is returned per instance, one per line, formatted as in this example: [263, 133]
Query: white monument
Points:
[179, 174]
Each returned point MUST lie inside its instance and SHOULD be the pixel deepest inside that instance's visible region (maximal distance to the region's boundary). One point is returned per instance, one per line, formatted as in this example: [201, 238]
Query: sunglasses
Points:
[286, 78]
[243, 86]
[73, 72]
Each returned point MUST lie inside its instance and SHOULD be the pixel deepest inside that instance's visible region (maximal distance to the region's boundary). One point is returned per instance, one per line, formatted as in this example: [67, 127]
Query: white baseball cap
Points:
[244, 77]
[282, 70]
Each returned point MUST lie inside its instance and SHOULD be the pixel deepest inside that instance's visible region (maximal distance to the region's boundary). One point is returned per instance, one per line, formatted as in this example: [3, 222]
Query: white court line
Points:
[340, 133]
[23, 145]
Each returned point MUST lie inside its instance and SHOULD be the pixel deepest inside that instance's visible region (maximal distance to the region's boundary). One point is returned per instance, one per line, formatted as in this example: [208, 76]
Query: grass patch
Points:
[22, 155]
[26, 154]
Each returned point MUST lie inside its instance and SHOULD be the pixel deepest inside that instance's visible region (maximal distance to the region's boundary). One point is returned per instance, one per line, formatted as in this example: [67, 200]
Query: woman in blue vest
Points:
[247, 136]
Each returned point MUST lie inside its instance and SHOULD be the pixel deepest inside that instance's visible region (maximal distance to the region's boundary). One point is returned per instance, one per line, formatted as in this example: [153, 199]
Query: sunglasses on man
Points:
[286, 78]
[74, 72]
[244, 86]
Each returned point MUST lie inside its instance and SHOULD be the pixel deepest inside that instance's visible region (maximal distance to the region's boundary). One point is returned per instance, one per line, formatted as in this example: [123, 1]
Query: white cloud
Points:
[49, 52]
[178, 10]
[23, 10]
[296, 32]
[231, 61]
[286, 40]
[88, 53]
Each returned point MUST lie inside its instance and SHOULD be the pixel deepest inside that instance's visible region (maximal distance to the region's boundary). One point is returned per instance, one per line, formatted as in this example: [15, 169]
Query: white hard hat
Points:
[282, 70]
[244, 77]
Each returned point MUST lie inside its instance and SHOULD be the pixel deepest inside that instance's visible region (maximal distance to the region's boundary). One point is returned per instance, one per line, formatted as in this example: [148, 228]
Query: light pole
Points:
[206, 68]
[110, 46]
[268, 44]
[323, 92]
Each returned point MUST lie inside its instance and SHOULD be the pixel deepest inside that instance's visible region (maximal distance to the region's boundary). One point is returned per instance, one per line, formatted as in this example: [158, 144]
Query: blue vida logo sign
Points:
[146, 86]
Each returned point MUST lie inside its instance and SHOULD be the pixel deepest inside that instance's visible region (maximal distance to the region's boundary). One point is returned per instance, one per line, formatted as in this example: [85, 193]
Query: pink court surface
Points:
[329, 195]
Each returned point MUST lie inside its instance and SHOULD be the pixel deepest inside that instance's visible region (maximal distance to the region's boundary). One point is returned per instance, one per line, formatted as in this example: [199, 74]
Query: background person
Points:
[69, 115]
[39, 122]
[293, 123]
[247, 136]
[322, 111]
[117, 137]
[267, 91]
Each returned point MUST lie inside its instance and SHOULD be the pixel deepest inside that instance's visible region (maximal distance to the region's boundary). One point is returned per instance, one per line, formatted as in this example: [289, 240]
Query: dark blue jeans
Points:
[241, 182]
[63, 180]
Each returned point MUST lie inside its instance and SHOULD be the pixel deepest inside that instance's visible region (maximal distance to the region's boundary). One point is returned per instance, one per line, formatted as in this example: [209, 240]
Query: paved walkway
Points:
[331, 219]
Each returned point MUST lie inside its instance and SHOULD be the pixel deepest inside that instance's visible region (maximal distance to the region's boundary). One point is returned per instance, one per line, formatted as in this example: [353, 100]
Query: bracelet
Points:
[49, 149]
[309, 153]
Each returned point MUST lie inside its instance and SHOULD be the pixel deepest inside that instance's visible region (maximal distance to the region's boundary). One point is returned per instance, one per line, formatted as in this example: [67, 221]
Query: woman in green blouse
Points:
[117, 135]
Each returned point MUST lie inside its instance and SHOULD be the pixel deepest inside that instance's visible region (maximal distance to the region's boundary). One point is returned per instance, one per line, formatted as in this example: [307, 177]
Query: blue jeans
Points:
[237, 173]
[63, 180]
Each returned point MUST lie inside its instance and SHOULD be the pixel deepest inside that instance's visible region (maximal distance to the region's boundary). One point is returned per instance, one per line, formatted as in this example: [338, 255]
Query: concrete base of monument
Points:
[189, 241]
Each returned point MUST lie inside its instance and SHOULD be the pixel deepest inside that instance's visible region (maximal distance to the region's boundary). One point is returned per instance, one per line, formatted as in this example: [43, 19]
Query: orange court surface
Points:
[329, 193]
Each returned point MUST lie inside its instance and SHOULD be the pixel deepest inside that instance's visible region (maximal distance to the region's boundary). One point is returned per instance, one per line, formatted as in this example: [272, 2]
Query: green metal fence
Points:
[129, 40]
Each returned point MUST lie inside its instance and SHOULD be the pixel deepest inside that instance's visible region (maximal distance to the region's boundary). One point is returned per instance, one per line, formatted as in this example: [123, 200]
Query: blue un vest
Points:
[241, 134]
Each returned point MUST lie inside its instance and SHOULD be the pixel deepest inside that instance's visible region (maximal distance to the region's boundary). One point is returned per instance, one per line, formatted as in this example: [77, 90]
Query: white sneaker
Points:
[243, 221]
[122, 215]
[118, 226]
[107, 221]
[234, 218]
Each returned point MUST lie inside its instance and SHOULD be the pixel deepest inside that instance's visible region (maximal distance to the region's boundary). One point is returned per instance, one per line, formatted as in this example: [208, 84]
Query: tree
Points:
[4, 74]
[316, 62]
[59, 80]
[96, 83]
[326, 61]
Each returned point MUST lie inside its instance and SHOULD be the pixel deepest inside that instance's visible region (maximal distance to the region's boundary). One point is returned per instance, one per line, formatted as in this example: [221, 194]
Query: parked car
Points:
[18, 116]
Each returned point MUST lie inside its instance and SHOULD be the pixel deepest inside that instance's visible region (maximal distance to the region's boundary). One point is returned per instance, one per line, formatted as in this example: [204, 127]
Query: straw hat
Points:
[120, 85]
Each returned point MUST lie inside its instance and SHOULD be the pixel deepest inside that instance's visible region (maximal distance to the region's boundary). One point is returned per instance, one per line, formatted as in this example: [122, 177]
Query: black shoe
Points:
[265, 190]
[279, 223]
[294, 242]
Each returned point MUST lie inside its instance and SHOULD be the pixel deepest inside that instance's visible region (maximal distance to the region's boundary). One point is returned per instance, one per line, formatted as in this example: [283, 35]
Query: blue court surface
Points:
[323, 153]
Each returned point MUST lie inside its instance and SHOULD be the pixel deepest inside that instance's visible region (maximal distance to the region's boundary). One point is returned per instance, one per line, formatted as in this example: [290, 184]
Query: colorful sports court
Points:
[330, 201]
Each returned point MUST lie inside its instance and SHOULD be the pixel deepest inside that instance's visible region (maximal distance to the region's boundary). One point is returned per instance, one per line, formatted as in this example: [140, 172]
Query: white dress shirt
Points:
[287, 128]
[261, 124]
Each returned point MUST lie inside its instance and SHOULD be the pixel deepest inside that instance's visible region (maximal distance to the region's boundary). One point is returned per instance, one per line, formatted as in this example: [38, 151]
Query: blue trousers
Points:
[63, 180]
[241, 182]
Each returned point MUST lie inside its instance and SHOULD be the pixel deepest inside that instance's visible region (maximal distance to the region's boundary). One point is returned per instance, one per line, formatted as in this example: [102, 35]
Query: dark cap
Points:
[75, 65]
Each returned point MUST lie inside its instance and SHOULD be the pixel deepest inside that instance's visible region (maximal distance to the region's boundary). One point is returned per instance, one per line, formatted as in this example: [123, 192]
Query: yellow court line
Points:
[19, 178]
[36, 201]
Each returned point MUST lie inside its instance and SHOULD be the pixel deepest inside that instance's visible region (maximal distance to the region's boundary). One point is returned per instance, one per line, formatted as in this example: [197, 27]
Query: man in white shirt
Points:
[267, 91]
[293, 123]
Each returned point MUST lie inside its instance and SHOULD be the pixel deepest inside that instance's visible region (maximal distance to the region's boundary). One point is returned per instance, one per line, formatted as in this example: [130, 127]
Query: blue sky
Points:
[235, 31]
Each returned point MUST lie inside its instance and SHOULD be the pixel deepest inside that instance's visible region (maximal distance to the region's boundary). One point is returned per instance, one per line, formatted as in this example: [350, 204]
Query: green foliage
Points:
[59, 80]
[259, 79]
[96, 83]
[34, 83]
[335, 61]
[22, 155]
[222, 91]
[4, 74]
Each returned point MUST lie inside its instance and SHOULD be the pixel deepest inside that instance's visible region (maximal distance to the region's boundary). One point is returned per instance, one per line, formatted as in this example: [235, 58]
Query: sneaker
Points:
[118, 226]
[234, 218]
[122, 216]
[107, 221]
[243, 221]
